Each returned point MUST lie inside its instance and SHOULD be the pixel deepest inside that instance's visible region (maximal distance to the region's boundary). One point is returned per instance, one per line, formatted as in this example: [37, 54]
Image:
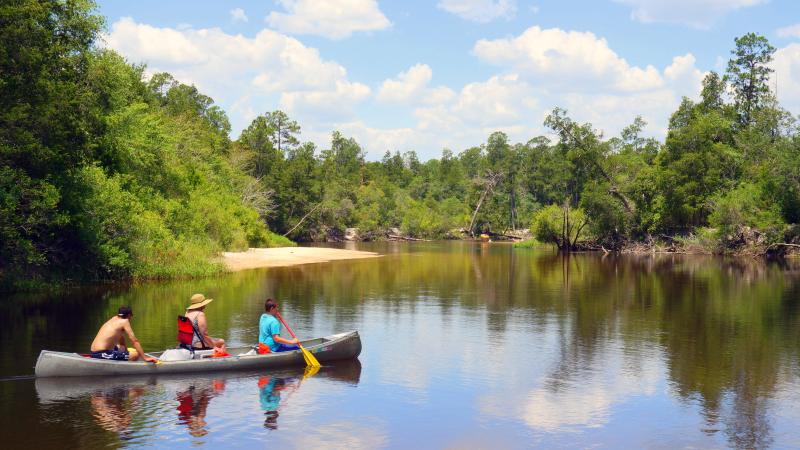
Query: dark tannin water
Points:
[465, 346]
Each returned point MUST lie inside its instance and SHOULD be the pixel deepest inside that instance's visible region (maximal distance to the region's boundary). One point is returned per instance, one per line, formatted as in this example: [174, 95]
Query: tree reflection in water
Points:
[724, 350]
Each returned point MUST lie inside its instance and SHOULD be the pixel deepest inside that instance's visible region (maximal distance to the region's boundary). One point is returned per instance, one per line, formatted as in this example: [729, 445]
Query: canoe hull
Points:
[330, 348]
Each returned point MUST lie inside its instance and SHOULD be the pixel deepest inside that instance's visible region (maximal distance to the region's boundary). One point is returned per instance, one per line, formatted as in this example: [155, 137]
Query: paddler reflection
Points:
[269, 396]
[113, 409]
[274, 391]
[193, 405]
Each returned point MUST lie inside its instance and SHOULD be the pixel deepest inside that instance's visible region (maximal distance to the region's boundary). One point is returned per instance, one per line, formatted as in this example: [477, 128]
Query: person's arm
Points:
[276, 334]
[121, 343]
[136, 344]
[280, 340]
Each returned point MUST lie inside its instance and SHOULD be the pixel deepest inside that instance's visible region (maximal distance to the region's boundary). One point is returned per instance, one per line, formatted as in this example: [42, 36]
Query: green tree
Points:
[284, 130]
[560, 225]
[749, 72]
[48, 124]
[713, 90]
[698, 159]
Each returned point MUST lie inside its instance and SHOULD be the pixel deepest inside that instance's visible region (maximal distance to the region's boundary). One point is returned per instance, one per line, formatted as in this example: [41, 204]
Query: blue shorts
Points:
[113, 355]
[286, 348]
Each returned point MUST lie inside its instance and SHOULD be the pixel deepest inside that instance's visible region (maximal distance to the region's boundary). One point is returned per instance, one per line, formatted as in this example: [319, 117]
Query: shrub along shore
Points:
[107, 174]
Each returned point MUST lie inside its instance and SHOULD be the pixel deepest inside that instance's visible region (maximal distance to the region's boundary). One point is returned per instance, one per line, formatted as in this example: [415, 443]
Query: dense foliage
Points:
[102, 174]
[105, 173]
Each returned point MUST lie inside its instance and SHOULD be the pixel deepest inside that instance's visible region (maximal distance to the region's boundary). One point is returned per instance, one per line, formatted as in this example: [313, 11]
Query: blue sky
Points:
[414, 75]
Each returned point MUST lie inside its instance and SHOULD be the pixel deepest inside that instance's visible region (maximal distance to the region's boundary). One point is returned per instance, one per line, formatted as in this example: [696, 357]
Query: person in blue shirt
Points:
[269, 332]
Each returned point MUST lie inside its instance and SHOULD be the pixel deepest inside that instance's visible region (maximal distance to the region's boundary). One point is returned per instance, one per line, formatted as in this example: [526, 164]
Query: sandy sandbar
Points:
[288, 256]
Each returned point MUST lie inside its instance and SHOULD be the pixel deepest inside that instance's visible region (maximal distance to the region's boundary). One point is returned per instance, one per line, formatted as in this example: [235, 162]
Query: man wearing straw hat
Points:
[195, 313]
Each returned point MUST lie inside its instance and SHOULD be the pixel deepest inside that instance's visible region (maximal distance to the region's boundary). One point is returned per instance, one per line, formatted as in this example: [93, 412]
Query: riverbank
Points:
[256, 258]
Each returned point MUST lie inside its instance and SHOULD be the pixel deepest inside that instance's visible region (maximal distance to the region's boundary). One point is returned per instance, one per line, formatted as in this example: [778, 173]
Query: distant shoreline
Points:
[256, 258]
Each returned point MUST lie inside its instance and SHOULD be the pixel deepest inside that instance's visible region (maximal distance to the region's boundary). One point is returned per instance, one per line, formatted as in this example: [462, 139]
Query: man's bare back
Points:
[111, 337]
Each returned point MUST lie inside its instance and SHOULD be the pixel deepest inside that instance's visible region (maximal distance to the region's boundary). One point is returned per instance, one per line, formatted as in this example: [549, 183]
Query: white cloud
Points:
[501, 101]
[457, 120]
[792, 31]
[700, 14]
[586, 77]
[683, 76]
[238, 15]
[407, 85]
[480, 10]
[573, 58]
[334, 19]
[412, 85]
[787, 77]
[243, 74]
[326, 105]
[588, 403]
[537, 70]
[378, 140]
[350, 435]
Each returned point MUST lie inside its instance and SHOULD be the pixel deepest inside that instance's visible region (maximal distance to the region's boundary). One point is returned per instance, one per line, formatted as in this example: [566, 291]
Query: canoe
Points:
[55, 390]
[330, 348]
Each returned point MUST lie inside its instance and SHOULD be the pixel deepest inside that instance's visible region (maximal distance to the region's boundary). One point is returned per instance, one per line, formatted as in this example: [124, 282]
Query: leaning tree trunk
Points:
[302, 219]
[491, 181]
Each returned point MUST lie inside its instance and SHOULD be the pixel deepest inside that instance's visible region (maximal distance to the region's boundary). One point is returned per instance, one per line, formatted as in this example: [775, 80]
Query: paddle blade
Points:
[311, 360]
[310, 371]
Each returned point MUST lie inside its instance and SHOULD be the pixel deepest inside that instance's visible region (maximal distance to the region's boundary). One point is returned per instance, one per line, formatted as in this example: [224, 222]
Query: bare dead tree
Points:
[256, 196]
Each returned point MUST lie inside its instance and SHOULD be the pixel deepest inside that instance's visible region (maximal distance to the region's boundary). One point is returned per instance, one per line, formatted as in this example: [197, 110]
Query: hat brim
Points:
[201, 304]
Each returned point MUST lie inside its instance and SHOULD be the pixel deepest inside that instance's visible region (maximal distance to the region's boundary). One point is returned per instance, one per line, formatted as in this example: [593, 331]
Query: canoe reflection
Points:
[193, 404]
[136, 407]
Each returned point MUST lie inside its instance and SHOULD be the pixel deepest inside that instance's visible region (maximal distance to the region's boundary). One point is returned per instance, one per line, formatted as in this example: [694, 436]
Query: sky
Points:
[401, 75]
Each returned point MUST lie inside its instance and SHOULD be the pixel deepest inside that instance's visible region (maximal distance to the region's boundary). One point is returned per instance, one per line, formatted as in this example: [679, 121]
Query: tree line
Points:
[728, 164]
[108, 174]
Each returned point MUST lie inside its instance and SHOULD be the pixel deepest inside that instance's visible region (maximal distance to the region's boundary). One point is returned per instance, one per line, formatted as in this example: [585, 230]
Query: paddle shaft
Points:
[310, 359]
[287, 327]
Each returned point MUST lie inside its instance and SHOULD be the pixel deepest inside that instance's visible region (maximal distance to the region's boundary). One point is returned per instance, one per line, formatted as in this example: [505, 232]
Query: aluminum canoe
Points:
[330, 348]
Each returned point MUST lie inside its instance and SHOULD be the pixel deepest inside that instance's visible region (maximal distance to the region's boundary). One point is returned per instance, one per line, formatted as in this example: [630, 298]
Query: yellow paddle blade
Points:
[310, 371]
[309, 357]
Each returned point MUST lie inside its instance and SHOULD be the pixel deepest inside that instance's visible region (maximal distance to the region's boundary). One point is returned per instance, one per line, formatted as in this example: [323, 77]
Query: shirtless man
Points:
[110, 340]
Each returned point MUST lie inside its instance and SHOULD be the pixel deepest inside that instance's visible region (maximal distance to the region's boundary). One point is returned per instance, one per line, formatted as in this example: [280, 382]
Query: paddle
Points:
[310, 359]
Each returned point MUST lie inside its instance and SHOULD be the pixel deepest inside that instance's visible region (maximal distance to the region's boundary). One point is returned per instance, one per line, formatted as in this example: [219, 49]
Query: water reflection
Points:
[113, 409]
[269, 395]
[632, 351]
[136, 409]
[193, 404]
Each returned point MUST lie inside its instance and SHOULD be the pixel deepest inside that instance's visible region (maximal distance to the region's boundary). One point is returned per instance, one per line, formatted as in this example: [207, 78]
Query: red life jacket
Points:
[186, 332]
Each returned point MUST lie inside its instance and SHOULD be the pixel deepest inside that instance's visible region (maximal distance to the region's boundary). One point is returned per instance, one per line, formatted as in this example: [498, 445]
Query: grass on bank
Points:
[529, 243]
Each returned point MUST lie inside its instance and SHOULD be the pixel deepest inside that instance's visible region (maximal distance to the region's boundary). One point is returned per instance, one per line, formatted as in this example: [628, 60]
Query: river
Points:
[465, 345]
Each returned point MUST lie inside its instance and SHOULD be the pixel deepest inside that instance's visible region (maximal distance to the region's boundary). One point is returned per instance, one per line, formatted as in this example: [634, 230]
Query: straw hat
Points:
[198, 301]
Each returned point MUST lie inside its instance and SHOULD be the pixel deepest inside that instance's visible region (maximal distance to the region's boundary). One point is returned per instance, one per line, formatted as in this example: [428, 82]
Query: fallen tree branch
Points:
[404, 238]
[302, 219]
[783, 244]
